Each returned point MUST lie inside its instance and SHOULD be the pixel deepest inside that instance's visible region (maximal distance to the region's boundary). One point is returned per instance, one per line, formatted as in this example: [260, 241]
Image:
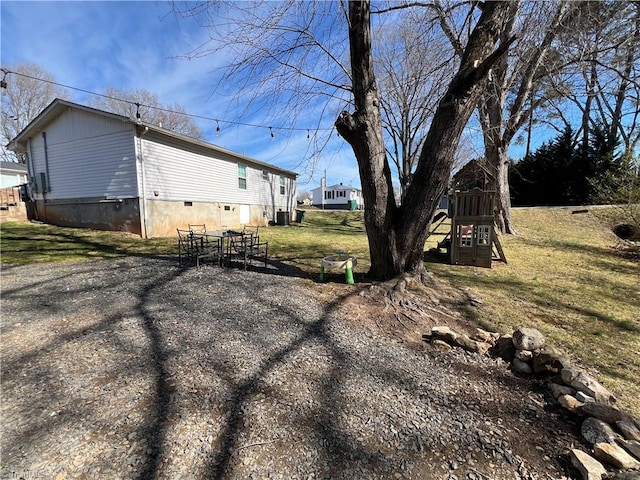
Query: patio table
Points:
[228, 239]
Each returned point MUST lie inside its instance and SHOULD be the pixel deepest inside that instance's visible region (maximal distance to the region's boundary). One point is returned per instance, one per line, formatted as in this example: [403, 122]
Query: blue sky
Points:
[142, 45]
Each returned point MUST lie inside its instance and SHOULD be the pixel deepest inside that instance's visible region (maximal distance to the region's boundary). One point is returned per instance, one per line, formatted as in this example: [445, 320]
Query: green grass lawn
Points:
[563, 277]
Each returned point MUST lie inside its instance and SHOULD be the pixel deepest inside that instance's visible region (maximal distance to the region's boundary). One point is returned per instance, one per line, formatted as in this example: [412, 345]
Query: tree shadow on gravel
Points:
[153, 428]
[331, 439]
[166, 311]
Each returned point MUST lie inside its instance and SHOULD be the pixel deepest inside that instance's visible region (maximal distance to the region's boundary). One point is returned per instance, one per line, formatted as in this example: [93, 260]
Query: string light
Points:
[3, 84]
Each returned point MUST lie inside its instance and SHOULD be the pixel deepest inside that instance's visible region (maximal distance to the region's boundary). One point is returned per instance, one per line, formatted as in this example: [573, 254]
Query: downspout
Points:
[143, 204]
[45, 188]
[32, 175]
[46, 163]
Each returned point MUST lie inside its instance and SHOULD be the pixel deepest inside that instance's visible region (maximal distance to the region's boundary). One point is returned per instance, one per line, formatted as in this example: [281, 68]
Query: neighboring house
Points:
[12, 174]
[338, 197]
[90, 168]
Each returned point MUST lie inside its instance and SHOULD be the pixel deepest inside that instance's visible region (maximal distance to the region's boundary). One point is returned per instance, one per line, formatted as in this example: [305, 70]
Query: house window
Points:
[484, 235]
[465, 233]
[242, 176]
[282, 188]
[265, 175]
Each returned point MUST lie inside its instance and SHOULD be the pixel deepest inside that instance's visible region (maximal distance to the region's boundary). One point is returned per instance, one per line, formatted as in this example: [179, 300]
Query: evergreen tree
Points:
[545, 177]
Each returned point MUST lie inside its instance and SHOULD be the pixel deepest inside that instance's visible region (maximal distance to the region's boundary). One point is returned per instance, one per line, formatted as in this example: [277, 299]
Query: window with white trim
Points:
[242, 176]
[282, 185]
[265, 174]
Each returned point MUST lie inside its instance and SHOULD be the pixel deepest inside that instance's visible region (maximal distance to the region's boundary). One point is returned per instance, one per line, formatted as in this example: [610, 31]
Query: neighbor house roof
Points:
[337, 186]
[58, 106]
[13, 167]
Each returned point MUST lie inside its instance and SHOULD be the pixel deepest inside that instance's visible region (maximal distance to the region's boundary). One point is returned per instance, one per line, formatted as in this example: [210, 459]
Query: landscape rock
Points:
[570, 403]
[602, 411]
[630, 446]
[440, 345]
[503, 348]
[614, 455]
[483, 335]
[628, 429]
[584, 398]
[550, 361]
[444, 333]
[464, 342]
[528, 339]
[558, 390]
[589, 467]
[524, 355]
[583, 382]
[596, 431]
[518, 366]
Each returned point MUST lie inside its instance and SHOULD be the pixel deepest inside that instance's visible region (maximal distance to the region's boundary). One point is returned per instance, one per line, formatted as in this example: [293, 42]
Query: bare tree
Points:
[397, 234]
[29, 90]
[508, 102]
[598, 66]
[145, 104]
[297, 42]
[414, 65]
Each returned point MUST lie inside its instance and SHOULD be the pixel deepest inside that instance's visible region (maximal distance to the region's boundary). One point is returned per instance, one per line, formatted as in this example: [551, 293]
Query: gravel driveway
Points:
[134, 368]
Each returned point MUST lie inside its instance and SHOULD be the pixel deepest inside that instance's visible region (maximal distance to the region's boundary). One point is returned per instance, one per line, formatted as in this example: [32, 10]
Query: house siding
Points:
[176, 172]
[105, 171]
[338, 202]
[88, 156]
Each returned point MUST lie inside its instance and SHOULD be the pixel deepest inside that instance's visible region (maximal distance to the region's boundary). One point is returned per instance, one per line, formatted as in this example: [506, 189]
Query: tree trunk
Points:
[503, 197]
[397, 233]
[495, 151]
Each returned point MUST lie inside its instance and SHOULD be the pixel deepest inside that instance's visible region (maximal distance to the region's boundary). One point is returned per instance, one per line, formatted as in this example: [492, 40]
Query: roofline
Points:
[52, 110]
[338, 186]
[210, 146]
[13, 166]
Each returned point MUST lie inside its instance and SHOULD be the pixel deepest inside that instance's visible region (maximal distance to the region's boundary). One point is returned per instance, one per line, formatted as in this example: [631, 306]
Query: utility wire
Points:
[138, 105]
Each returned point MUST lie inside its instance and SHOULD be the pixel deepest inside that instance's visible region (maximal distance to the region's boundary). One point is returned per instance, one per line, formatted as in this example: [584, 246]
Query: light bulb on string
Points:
[217, 128]
[308, 134]
[272, 134]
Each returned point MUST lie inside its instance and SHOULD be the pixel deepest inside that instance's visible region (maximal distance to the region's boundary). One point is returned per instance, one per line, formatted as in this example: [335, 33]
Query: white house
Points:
[338, 197]
[91, 168]
[12, 174]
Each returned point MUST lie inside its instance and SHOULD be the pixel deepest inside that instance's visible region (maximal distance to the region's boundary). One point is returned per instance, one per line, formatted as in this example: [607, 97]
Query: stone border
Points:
[613, 434]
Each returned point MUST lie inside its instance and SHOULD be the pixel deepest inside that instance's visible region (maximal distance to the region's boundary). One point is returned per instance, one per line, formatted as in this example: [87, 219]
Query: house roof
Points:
[58, 106]
[13, 167]
[338, 186]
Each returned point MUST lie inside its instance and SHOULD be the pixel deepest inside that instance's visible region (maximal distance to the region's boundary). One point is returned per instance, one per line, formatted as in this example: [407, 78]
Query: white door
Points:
[245, 214]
